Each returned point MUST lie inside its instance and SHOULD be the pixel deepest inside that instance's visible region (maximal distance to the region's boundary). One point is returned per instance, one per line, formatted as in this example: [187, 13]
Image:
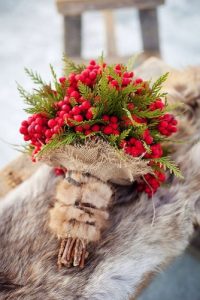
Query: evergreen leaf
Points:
[35, 77]
[124, 134]
[131, 62]
[166, 163]
[85, 90]
[71, 67]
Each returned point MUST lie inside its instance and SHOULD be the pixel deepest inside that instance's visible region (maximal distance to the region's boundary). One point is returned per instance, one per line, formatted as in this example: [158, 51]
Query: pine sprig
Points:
[148, 113]
[23, 93]
[63, 139]
[85, 90]
[71, 67]
[166, 163]
[131, 62]
[35, 77]
[157, 86]
[124, 134]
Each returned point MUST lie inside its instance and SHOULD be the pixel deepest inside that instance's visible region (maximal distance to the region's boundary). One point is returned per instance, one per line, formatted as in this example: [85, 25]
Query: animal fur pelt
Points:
[142, 234]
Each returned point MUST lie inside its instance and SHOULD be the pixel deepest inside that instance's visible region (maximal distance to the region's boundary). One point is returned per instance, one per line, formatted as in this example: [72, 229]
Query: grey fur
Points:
[135, 243]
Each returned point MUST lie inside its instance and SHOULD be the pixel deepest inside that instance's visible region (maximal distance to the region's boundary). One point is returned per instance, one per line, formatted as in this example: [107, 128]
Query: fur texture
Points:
[141, 235]
[80, 211]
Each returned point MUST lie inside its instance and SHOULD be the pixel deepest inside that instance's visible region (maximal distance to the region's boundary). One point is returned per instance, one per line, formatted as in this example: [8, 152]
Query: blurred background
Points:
[32, 35]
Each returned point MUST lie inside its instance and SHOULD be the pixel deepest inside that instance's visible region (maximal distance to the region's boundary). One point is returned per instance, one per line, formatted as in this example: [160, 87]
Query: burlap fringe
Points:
[99, 159]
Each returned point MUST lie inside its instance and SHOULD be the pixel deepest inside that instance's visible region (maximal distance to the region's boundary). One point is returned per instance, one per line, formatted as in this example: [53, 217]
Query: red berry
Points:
[24, 123]
[66, 100]
[85, 105]
[75, 94]
[48, 133]
[149, 140]
[89, 114]
[138, 80]
[76, 110]
[51, 123]
[108, 130]
[62, 80]
[132, 141]
[116, 132]
[114, 125]
[85, 73]
[88, 81]
[78, 118]
[114, 83]
[59, 171]
[26, 138]
[125, 81]
[113, 119]
[92, 75]
[95, 127]
[86, 126]
[130, 106]
[38, 128]
[105, 118]
[66, 107]
[56, 129]
[79, 129]
[23, 130]
[135, 152]
[87, 132]
[93, 62]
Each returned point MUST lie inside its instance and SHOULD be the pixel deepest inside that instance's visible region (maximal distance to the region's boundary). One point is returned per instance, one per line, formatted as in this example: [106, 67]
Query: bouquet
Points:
[97, 123]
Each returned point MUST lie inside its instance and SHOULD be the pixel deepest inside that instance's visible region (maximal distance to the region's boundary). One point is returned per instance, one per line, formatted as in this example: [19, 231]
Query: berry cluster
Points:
[34, 130]
[167, 125]
[113, 108]
[151, 183]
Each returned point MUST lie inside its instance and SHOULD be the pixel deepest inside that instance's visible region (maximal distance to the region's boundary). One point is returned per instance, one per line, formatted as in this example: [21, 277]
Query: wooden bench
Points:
[73, 9]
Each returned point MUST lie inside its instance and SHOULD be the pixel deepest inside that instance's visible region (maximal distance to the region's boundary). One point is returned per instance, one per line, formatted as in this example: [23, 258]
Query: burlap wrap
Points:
[99, 159]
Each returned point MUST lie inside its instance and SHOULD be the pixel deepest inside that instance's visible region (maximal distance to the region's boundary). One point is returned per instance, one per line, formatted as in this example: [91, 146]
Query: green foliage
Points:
[110, 100]
[85, 91]
[71, 67]
[157, 86]
[134, 123]
[35, 77]
[124, 134]
[147, 147]
[148, 113]
[38, 102]
[166, 163]
[131, 63]
[67, 138]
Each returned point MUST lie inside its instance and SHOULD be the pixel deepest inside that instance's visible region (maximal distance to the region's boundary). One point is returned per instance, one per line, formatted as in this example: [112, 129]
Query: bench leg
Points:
[149, 28]
[72, 35]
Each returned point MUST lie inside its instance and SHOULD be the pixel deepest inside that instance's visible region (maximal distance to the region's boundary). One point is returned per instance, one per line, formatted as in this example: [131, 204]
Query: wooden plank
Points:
[76, 7]
[149, 28]
[16, 172]
[72, 35]
[110, 34]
